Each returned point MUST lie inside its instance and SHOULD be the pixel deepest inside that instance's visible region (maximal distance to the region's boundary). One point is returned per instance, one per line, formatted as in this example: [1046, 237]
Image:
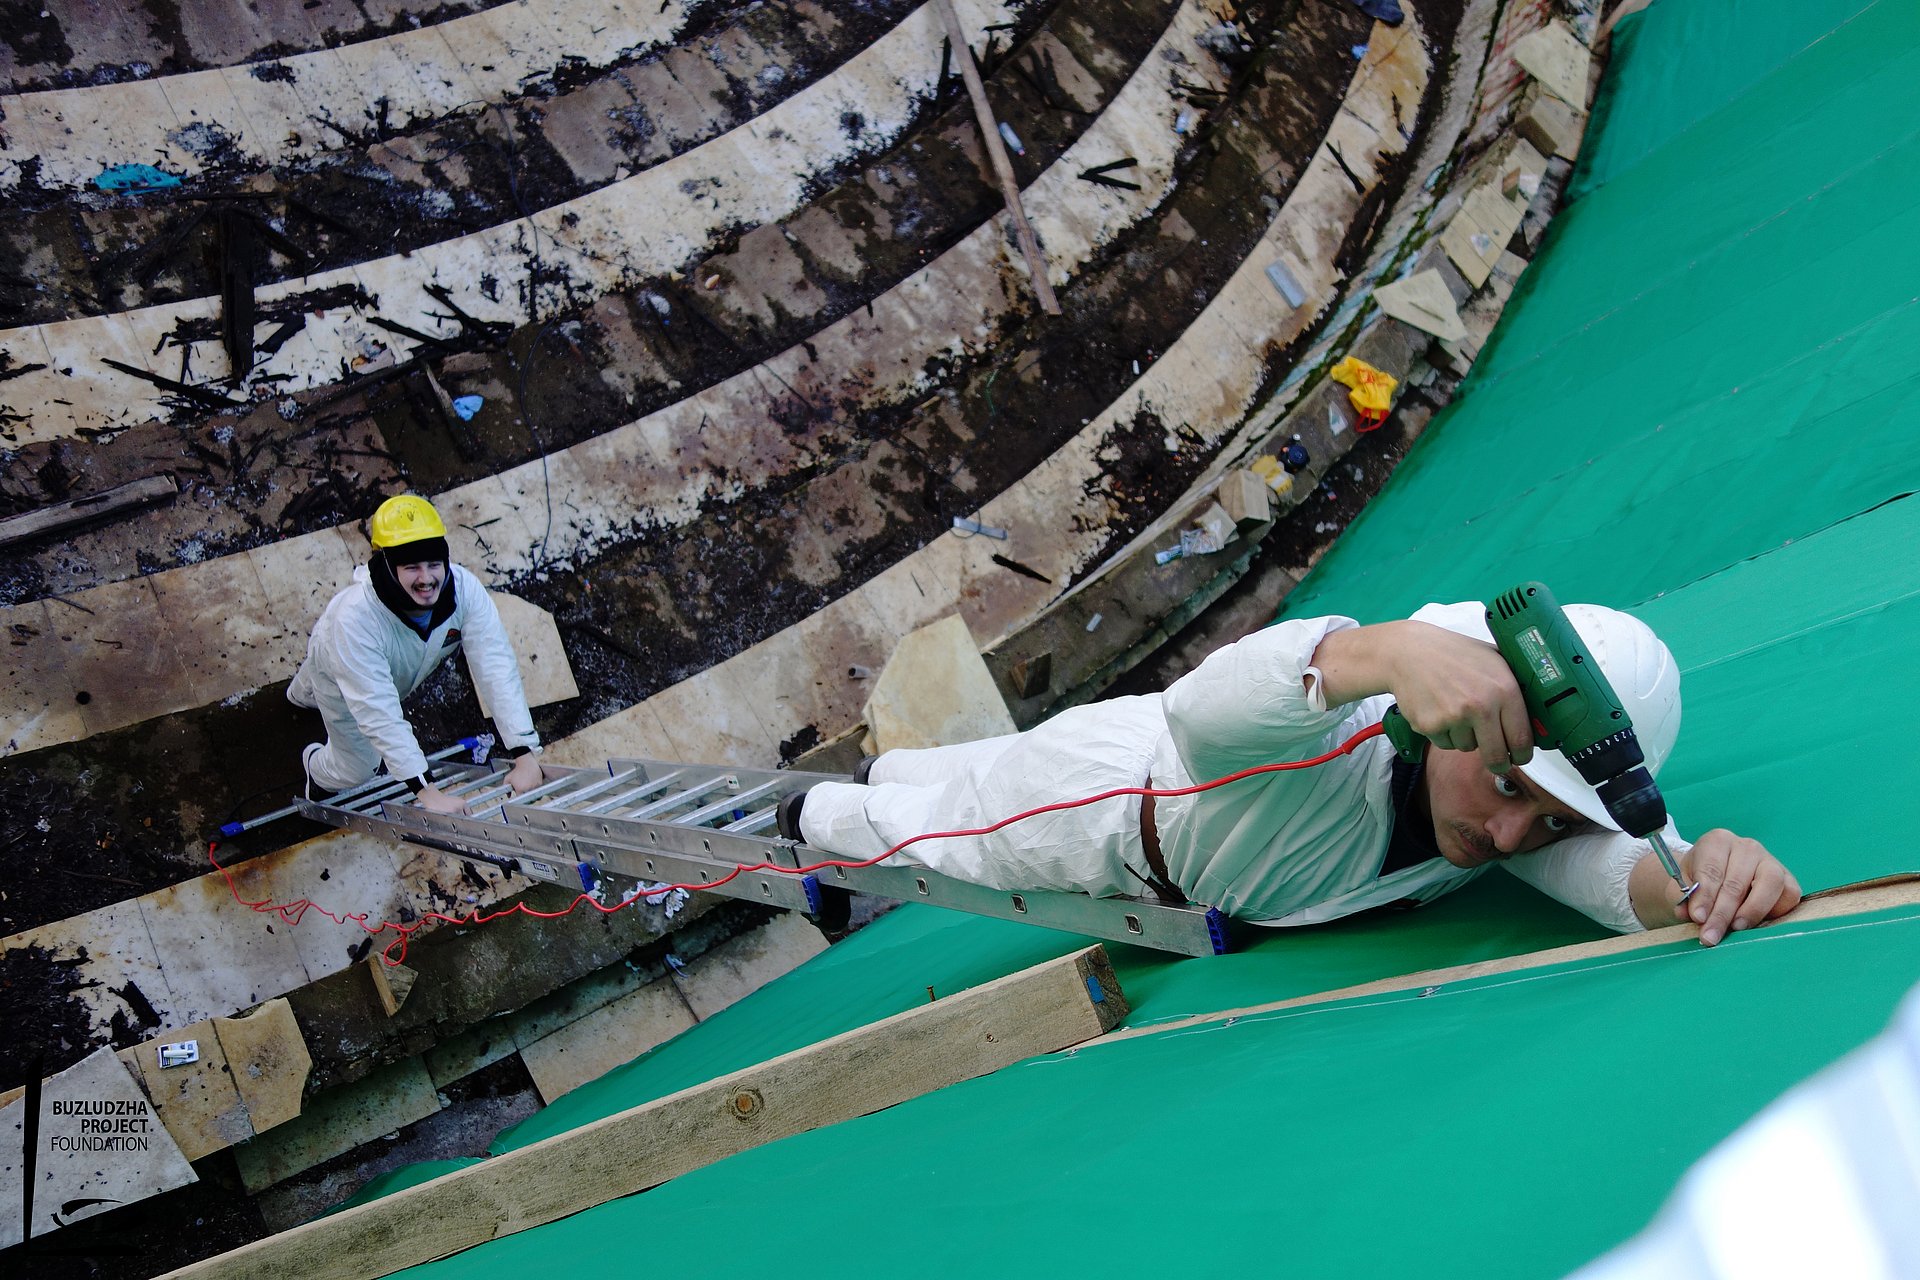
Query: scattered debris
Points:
[63, 517]
[1211, 533]
[1227, 43]
[205, 397]
[181, 1054]
[1101, 174]
[1012, 138]
[1289, 287]
[135, 177]
[1387, 11]
[1025, 571]
[970, 527]
[1277, 477]
[467, 406]
[1371, 390]
[1423, 301]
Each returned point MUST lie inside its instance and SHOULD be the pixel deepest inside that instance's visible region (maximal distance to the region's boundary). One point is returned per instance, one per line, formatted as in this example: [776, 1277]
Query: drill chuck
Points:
[1634, 801]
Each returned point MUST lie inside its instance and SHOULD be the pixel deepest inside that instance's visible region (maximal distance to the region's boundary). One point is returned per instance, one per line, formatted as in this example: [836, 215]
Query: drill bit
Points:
[1672, 865]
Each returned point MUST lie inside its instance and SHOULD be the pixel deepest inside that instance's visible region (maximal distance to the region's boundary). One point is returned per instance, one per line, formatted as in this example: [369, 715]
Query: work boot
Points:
[316, 793]
[863, 772]
[786, 815]
[836, 912]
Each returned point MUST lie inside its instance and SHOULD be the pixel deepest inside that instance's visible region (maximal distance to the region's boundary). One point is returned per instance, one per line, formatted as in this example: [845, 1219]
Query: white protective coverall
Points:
[362, 660]
[1280, 849]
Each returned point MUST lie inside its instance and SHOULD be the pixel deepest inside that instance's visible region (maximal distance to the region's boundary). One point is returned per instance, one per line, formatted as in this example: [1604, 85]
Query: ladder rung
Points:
[652, 786]
[549, 787]
[699, 817]
[587, 792]
[635, 833]
[368, 801]
[481, 799]
[759, 820]
[475, 783]
[667, 804]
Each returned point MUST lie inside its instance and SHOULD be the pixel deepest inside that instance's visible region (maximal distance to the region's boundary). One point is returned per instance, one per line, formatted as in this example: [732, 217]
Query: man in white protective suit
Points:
[1364, 830]
[407, 611]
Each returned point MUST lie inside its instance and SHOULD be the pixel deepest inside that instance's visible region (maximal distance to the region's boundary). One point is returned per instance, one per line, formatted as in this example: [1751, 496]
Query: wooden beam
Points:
[997, 152]
[66, 515]
[958, 1037]
[1842, 900]
[391, 985]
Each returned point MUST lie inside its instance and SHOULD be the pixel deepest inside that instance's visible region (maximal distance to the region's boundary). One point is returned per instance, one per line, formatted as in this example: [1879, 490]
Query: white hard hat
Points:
[1637, 664]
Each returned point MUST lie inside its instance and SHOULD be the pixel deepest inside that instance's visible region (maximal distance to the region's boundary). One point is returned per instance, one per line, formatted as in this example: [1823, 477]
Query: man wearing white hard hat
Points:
[1362, 831]
[407, 611]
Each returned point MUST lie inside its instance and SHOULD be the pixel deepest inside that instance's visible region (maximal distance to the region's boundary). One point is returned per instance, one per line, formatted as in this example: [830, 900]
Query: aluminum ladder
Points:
[665, 823]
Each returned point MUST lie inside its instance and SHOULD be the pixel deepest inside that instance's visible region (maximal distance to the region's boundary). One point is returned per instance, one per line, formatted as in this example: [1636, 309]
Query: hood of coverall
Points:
[1637, 664]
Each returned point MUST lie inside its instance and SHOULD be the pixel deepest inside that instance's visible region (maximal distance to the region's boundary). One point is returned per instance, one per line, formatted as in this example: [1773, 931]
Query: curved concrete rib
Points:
[98, 42]
[739, 710]
[288, 109]
[423, 186]
[642, 472]
[639, 228]
[742, 709]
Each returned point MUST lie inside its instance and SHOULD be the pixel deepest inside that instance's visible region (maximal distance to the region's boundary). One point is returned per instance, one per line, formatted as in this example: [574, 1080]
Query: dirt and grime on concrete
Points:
[675, 600]
[1295, 544]
[153, 1236]
[667, 602]
[63, 44]
[580, 372]
[476, 1109]
[92, 823]
[243, 481]
[382, 193]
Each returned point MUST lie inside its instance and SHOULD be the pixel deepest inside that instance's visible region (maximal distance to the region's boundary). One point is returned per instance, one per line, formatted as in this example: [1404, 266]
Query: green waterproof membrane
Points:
[1701, 405]
[1512, 1126]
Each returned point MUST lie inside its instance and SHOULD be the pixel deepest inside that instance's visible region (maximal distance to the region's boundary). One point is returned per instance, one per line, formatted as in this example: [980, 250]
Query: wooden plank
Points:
[269, 1060]
[997, 152]
[1843, 900]
[1423, 301]
[1050, 1006]
[1554, 56]
[391, 984]
[62, 516]
[198, 1103]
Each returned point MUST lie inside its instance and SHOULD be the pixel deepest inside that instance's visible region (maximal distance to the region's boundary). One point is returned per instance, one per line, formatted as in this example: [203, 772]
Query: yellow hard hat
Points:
[403, 519]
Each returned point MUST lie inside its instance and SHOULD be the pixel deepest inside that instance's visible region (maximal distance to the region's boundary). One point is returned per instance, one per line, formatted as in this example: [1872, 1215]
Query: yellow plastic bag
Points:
[1372, 392]
[1268, 468]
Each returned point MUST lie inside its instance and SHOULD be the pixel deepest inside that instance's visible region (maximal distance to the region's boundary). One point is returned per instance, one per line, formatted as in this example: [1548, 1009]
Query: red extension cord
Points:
[294, 912]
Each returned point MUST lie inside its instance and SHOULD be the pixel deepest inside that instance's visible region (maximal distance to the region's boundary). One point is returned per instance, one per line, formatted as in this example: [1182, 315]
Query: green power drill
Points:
[1573, 710]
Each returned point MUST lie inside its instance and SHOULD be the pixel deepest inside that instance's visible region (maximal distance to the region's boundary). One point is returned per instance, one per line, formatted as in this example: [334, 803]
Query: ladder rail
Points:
[652, 820]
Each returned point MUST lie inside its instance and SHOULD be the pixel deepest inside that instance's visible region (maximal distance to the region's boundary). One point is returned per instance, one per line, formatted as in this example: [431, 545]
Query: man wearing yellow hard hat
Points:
[407, 611]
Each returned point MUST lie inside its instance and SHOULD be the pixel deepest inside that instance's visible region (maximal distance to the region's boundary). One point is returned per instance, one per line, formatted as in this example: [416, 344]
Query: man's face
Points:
[422, 581]
[1481, 817]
